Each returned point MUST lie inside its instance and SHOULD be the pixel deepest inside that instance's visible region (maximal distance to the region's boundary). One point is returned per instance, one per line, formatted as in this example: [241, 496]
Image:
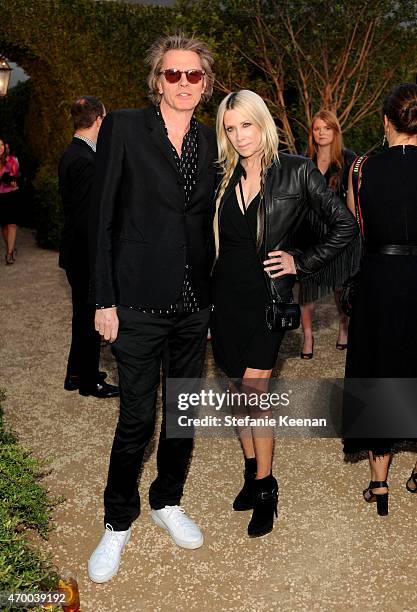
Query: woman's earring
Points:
[384, 140]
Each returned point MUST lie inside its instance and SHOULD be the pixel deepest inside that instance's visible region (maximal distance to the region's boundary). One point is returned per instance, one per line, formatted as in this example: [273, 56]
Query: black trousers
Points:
[142, 342]
[84, 355]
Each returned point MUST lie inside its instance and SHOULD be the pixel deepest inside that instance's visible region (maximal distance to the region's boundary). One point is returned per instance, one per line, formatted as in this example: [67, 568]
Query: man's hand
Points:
[107, 323]
[279, 264]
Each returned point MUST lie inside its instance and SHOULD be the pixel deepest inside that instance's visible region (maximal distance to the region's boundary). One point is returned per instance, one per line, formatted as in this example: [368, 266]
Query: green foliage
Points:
[48, 213]
[291, 52]
[24, 505]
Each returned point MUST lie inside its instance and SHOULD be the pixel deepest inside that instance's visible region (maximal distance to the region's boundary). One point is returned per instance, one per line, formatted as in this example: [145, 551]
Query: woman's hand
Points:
[279, 264]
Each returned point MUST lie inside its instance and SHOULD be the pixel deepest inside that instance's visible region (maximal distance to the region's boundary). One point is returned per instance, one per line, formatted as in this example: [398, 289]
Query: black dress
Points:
[383, 328]
[240, 337]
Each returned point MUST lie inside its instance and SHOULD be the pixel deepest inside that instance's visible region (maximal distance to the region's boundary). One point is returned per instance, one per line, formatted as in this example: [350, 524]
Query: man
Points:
[76, 172]
[153, 205]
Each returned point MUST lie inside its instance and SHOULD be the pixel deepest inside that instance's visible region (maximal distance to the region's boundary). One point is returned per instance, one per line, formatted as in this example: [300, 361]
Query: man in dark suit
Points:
[153, 213]
[76, 172]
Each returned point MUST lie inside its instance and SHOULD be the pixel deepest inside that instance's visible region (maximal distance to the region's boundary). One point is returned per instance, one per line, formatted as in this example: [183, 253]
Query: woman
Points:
[9, 172]
[278, 190]
[325, 148]
[383, 328]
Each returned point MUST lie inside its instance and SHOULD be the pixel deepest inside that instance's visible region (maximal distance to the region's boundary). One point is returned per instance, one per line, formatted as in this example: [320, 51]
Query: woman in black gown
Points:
[383, 328]
[255, 247]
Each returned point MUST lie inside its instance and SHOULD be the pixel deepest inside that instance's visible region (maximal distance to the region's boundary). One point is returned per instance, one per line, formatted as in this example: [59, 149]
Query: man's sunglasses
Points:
[173, 75]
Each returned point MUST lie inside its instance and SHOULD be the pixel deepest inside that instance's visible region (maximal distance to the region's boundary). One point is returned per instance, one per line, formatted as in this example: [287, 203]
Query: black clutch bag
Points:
[347, 296]
[282, 316]
[7, 178]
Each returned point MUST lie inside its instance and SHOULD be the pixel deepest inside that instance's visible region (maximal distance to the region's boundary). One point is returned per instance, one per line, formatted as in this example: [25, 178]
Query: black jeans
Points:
[84, 355]
[142, 341]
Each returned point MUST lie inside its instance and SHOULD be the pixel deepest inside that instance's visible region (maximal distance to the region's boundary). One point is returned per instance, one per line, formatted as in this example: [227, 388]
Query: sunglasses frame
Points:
[175, 72]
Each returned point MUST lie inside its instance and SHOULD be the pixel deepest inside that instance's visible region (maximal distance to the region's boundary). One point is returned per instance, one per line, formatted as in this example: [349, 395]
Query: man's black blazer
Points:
[75, 173]
[142, 233]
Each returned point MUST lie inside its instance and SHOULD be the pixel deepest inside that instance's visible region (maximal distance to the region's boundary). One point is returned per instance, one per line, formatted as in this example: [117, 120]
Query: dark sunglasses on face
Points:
[172, 75]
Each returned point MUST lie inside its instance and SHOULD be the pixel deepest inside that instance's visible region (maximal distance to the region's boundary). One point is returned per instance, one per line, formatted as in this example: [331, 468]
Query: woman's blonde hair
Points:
[336, 147]
[254, 108]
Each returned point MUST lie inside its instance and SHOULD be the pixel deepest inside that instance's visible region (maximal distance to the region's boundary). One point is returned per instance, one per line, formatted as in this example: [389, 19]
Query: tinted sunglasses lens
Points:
[172, 76]
[194, 76]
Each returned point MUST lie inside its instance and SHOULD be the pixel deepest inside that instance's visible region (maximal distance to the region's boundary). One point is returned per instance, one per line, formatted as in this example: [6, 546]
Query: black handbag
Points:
[350, 286]
[280, 315]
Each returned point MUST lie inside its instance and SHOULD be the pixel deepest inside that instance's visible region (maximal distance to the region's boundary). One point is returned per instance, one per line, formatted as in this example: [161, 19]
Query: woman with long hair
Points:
[262, 198]
[326, 149]
[383, 327]
[9, 173]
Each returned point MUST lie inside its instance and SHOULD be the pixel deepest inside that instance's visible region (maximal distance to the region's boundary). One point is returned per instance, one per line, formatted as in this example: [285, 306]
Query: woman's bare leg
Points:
[259, 443]
[379, 469]
[5, 233]
[307, 325]
[343, 320]
[11, 237]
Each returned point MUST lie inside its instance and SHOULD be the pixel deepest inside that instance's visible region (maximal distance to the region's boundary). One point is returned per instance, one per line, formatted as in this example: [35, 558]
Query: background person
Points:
[243, 346]
[383, 326]
[75, 172]
[9, 200]
[325, 148]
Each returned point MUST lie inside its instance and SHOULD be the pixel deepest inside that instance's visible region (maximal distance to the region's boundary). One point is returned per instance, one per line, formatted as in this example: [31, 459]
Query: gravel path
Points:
[328, 551]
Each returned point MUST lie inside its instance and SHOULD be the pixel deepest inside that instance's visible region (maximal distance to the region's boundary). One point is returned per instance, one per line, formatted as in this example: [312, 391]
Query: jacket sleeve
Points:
[80, 175]
[104, 201]
[330, 262]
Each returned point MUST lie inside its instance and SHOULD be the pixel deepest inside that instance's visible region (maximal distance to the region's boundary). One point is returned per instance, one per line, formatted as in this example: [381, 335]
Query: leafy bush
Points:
[24, 505]
[48, 213]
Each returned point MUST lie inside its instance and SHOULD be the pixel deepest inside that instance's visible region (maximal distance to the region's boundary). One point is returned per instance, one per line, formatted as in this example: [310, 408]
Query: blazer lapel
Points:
[159, 138]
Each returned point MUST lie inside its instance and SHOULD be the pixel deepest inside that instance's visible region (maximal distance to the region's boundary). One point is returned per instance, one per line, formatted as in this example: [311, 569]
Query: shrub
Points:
[24, 505]
[48, 213]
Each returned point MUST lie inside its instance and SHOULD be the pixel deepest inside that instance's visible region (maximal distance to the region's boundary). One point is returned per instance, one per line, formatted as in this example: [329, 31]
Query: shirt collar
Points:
[193, 122]
[90, 143]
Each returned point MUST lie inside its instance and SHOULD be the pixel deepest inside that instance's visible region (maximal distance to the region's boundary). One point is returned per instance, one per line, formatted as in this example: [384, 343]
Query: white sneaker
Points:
[105, 560]
[181, 528]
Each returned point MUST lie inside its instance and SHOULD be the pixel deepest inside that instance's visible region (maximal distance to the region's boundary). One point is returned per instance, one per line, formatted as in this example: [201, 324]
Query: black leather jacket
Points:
[293, 185]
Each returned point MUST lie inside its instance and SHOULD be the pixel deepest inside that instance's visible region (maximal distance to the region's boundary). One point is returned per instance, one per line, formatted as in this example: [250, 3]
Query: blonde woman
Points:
[325, 148]
[254, 240]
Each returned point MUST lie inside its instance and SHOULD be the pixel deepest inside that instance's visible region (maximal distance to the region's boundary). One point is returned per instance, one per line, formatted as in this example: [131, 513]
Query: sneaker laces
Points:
[179, 517]
[112, 542]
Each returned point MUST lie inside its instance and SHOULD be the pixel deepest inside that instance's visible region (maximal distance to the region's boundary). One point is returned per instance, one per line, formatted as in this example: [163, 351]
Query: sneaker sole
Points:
[107, 577]
[178, 541]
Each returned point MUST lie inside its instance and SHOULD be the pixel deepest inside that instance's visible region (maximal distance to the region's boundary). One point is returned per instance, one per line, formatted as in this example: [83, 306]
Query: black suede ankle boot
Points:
[265, 506]
[244, 499]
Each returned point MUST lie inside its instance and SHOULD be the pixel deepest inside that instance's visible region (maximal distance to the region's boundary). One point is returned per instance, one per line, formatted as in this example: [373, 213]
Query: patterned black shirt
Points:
[187, 166]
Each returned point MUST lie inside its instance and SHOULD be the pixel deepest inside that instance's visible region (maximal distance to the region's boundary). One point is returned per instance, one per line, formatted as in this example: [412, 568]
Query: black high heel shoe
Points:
[381, 499]
[264, 507]
[413, 478]
[244, 499]
[308, 355]
[341, 346]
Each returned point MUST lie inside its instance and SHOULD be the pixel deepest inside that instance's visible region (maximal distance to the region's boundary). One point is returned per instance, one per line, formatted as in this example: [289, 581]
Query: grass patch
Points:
[24, 505]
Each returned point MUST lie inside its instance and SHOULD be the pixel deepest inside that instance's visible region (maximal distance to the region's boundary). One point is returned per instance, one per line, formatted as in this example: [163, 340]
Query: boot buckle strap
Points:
[268, 494]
